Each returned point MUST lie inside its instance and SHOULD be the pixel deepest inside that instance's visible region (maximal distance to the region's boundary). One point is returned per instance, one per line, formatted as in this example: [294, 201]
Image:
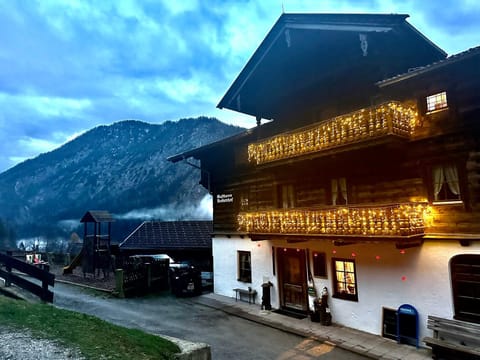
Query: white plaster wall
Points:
[420, 277]
[225, 265]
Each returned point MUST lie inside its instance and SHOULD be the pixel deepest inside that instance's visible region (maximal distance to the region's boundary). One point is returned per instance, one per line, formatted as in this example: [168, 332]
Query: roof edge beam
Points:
[329, 27]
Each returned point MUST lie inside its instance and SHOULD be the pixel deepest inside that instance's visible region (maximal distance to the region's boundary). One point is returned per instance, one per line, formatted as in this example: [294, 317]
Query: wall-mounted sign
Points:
[224, 198]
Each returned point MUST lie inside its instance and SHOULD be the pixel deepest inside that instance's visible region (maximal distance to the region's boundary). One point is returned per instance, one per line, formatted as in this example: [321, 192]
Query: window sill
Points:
[436, 111]
[245, 281]
[345, 297]
[447, 202]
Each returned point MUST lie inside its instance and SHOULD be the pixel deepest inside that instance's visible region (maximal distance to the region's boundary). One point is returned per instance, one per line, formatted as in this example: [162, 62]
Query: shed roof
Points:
[313, 59]
[97, 216]
[162, 235]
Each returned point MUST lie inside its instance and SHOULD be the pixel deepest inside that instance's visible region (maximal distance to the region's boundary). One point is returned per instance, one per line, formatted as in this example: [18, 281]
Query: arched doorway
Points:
[465, 275]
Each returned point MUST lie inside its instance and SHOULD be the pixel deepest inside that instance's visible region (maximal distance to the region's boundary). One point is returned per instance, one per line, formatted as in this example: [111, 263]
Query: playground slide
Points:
[75, 262]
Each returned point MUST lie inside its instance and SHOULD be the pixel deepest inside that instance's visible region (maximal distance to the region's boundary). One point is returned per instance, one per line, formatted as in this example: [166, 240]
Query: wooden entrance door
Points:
[292, 279]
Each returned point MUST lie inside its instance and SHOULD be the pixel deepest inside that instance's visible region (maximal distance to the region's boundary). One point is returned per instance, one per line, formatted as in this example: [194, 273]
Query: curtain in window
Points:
[288, 196]
[334, 191]
[244, 267]
[285, 197]
[343, 188]
[451, 176]
[291, 196]
[245, 261]
[437, 180]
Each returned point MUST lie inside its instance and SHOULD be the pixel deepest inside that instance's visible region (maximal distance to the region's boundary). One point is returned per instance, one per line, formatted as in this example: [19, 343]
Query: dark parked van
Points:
[185, 279]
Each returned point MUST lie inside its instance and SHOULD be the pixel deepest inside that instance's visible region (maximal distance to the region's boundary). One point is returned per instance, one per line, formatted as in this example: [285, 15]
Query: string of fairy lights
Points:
[390, 220]
[389, 118]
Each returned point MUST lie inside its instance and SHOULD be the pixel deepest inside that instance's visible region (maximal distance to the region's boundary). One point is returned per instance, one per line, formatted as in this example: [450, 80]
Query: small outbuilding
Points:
[181, 240]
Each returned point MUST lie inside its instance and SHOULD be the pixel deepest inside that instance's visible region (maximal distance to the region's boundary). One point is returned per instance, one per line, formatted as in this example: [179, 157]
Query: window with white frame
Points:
[344, 279]
[244, 266]
[339, 191]
[437, 101]
[446, 186]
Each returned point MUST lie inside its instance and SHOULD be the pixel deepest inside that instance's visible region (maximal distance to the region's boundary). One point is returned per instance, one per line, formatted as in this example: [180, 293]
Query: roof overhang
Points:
[307, 60]
[214, 146]
[97, 216]
[469, 54]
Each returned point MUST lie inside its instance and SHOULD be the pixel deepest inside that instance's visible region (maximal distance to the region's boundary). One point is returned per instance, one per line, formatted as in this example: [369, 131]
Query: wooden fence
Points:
[42, 275]
[139, 276]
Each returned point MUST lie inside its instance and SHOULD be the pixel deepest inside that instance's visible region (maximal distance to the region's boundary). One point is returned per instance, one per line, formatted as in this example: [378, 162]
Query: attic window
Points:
[437, 102]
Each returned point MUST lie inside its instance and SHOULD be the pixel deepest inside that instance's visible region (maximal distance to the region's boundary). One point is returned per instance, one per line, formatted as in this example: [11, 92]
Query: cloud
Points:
[172, 212]
[68, 225]
[48, 106]
[37, 145]
[67, 66]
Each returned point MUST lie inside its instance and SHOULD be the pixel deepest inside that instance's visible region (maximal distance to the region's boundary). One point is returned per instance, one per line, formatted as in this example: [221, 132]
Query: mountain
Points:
[121, 168]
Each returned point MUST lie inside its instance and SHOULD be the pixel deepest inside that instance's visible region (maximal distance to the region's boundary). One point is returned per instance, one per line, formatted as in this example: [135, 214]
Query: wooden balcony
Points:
[393, 220]
[388, 119]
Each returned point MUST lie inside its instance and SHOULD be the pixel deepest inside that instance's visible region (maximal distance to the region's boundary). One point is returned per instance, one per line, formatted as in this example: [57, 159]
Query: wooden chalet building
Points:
[366, 181]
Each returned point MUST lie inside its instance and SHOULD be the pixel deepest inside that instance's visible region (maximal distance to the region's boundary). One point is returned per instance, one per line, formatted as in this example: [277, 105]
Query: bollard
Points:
[149, 275]
[266, 296]
[119, 291]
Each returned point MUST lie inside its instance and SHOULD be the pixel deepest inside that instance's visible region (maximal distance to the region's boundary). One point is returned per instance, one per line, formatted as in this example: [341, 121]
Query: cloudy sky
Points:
[67, 66]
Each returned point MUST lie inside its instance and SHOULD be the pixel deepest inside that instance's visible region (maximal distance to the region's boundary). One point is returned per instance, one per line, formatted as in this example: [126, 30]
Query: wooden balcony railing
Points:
[394, 220]
[391, 118]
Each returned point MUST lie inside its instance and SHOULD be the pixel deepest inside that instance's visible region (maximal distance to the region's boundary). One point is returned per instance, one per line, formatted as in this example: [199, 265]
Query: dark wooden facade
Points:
[374, 144]
[377, 173]
[377, 139]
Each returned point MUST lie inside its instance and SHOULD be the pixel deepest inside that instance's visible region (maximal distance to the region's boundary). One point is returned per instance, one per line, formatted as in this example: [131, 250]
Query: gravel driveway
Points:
[20, 345]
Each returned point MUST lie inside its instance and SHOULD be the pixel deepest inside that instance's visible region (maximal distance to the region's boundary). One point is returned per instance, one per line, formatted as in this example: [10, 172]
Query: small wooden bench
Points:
[246, 292]
[453, 339]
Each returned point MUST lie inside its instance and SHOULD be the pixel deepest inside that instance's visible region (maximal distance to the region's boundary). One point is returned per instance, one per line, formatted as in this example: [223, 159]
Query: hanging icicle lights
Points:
[385, 119]
[390, 220]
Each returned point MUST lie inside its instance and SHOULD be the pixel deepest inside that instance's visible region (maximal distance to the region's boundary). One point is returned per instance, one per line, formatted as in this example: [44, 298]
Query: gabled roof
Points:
[312, 59]
[170, 235]
[430, 67]
[196, 152]
[97, 216]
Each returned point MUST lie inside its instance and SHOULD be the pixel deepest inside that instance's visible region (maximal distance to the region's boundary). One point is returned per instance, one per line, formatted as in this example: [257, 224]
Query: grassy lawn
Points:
[95, 338]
